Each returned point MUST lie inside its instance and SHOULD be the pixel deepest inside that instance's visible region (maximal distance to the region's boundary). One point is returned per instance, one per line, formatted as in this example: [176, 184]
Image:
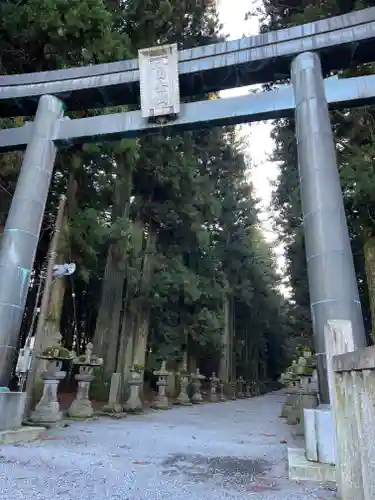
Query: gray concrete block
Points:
[12, 405]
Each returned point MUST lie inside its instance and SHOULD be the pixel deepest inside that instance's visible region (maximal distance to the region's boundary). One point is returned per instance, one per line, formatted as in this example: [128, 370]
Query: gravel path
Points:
[234, 450]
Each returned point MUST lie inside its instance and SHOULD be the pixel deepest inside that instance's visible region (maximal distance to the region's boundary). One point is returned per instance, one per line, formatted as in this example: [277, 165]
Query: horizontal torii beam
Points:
[265, 105]
[340, 41]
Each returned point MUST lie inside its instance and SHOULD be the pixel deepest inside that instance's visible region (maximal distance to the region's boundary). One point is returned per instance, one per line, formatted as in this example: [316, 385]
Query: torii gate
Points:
[164, 75]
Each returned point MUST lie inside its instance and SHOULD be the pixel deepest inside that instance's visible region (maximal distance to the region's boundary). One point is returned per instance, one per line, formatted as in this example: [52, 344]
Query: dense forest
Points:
[171, 259]
[354, 131]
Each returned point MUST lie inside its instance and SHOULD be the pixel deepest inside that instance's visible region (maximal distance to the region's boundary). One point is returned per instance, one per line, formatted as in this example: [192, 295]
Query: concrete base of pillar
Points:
[21, 435]
[319, 435]
[301, 469]
[12, 407]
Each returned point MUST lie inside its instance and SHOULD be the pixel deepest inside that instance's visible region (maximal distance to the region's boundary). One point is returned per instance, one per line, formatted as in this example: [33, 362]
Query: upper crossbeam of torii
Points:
[340, 41]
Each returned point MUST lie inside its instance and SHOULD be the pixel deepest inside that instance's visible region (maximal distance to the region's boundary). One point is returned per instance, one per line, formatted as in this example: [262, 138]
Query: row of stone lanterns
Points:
[183, 398]
[48, 408]
[302, 389]
[241, 389]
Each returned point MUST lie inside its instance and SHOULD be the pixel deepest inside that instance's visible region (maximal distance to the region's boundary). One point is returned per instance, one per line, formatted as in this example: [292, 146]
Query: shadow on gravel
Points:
[239, 471]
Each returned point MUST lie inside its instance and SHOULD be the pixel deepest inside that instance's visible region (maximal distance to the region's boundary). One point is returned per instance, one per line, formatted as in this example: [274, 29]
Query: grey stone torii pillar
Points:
[22, 229]
[332, 280]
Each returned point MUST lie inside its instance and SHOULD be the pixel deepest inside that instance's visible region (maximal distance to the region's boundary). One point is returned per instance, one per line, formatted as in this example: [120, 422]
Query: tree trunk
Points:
[369, 253]
[125, 357]
[143, 322]
[106, 333]
[233, 356]
[135, 326]
[51, 328]
[127, 336]
[58, 287]
[251, 368]
[225, 361]
[107, 323]
[49, 331]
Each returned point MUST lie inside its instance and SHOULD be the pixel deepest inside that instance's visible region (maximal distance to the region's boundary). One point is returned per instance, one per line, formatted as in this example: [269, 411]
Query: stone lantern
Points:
[161, 402]
[197, 382]
[307, 353]
[214, 381]
[248, 393]
[183, 398]
[81, 406]
[294, 394]
[308, 390]
[48, 408]
[240, 385]
[233, 389]
[222, 393]
[134, 403]
[291, 380]
[301, 365]
[302, 388]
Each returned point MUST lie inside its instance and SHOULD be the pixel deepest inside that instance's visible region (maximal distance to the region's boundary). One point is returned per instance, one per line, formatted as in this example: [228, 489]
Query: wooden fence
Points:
[354, 411]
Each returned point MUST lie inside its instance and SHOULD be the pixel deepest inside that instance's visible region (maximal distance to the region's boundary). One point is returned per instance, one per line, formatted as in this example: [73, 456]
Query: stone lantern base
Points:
[47, 411]
[134, 403]
[81, 407]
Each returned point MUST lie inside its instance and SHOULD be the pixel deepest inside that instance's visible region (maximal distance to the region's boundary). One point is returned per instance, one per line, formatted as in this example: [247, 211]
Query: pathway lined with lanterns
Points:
[233, 450]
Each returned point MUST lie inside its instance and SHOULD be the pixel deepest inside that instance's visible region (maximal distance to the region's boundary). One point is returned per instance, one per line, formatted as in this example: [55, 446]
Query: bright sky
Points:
[260, 146]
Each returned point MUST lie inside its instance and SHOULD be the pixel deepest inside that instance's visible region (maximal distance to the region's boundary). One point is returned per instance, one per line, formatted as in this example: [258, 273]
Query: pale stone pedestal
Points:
[248, 391]
[222, 397]
[240, 393]
[183, 398]
[48, 408]
[134, 403]
[295, 411]
[113, 405]
[161, 401]
[214, 381]
[233, 391]
[196, 380]
[81, 407]
[288, 405]
[291, 395]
